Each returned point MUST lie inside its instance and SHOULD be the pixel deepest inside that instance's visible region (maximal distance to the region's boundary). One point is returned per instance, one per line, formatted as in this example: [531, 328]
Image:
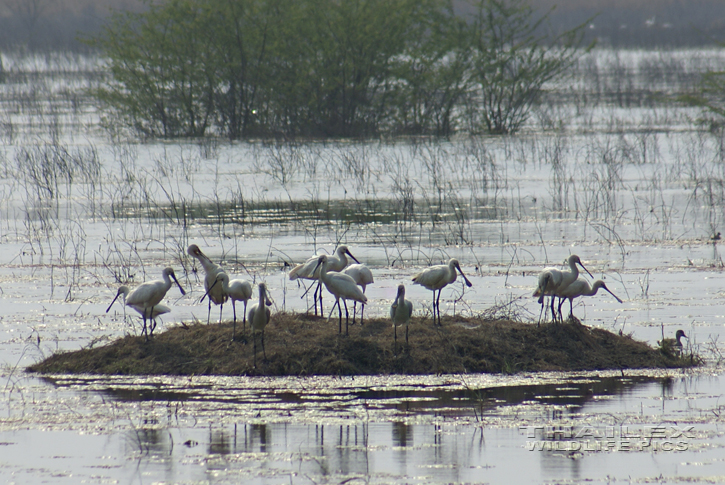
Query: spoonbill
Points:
[578, 288]
[400, 311]
[363, 277]
[673, 343]
[236, 290]
[217, 295]
[438, 277]
[308, 269]
[341, 286]
[155, 311]
[553, 279]
[147, 295]
[259, 316]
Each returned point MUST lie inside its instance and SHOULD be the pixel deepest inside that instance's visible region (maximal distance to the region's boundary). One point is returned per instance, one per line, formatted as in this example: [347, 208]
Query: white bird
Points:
[578, 288]
[341, 286]
[308, 270]
[675, 344]
[438, 277]
[236, 290]
[363, 277]
[553, 279]
[147, 295]
[155, 311]
[400, 311]
[216, 295]
[259, 316]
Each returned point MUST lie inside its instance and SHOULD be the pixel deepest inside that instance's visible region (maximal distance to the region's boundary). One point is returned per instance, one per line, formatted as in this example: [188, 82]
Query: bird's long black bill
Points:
[353, 257]
[207, 291]
[615, 296]
[585, 269]
[114, 301]
[179, 285]
[468, 283]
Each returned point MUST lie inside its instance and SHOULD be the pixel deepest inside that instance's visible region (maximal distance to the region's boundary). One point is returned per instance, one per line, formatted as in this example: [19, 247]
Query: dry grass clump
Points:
[305, 345]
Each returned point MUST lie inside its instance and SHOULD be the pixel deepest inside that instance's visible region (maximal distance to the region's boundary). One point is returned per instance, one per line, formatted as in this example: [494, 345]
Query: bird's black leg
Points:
[553, 313]
[339, 311]
[208, 313]
[347, 316]
[234, 325]
[571, 307]
[435, 322]
[438, 306]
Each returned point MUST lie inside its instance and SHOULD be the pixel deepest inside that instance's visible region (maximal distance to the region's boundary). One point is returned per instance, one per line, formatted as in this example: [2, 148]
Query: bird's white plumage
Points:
[363, 276]
[309, 269]
[216, 293]
[147, 296]
[155, 311]
[552, 280]
[211, 270]
[259, 316]
[340, 285]
[438, 277]
[581, 287]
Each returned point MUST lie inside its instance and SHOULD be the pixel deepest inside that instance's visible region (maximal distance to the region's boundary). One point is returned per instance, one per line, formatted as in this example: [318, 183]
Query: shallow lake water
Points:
[555, 428]
[636, 191]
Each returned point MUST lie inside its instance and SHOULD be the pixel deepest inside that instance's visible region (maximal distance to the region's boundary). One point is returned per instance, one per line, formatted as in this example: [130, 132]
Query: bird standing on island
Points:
[341, 286]
[363, 277]
[236, 290]
[553, 279]
[438, 277]
[400, 311]
[259, 317]
[578, 288]
[155, 311]
[148, 295]
[211, 270]
[309, 270]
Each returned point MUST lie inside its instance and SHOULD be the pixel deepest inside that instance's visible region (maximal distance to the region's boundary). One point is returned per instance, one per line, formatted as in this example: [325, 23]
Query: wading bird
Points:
[363, 277]
[341, 286]
[578, 288]
[236, 290]
[155, 311]
[400, 311]
[438, 277]
[146, 296]
[259, 316]
[308, 270]
[552, 280]
[211, 270]
[673, 344]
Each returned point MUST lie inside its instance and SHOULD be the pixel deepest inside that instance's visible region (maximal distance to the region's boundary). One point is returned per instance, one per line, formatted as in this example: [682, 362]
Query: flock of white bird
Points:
[344, 283]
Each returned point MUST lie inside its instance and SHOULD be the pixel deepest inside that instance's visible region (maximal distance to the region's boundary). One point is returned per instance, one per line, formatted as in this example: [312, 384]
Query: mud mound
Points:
[303, 345]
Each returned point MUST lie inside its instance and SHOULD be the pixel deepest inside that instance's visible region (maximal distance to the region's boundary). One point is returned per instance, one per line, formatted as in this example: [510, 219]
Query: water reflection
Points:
[406, 400]
[204, 438]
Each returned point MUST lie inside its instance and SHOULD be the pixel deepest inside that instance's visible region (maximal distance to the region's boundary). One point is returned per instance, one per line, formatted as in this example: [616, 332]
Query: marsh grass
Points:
[304, 345]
